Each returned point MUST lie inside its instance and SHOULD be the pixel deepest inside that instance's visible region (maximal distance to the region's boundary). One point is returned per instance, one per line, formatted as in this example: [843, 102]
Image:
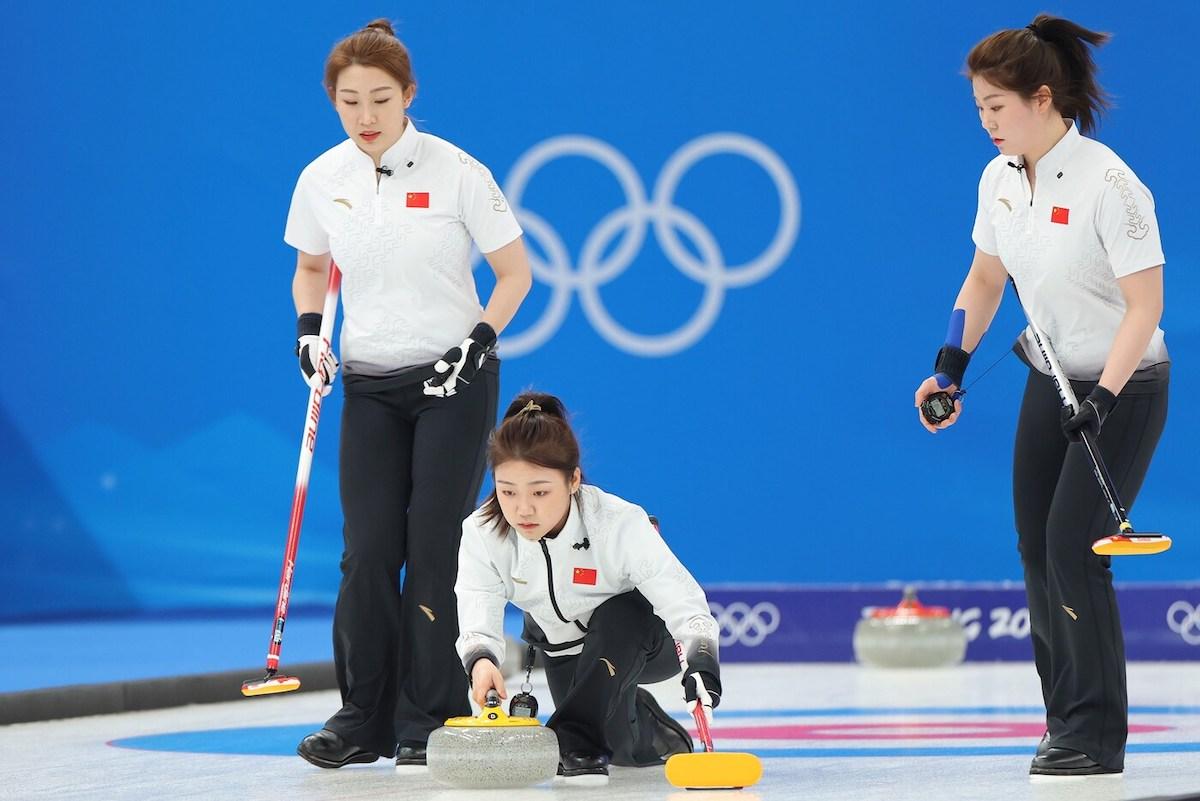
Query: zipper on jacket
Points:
[550, 584]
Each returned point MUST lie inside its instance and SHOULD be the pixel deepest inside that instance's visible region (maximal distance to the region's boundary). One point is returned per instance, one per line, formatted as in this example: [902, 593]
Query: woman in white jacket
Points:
[604, 598]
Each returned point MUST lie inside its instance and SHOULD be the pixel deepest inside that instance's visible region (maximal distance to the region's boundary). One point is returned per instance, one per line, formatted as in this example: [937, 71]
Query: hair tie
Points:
[530, 407]
[1032, 27]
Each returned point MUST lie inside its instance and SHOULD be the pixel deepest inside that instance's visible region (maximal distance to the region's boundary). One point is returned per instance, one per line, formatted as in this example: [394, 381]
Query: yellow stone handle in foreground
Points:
[492, 714]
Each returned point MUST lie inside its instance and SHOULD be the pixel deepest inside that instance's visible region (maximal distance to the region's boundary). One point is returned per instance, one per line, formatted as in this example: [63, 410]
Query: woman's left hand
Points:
[462, 362]
[703, 689]
[1091, 415]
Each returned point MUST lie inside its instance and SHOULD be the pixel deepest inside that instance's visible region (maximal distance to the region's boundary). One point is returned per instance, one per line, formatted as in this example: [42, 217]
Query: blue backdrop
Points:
[747, 247]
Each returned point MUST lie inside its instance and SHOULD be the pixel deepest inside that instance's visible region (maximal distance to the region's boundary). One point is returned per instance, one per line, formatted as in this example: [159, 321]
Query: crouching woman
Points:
[603, 596]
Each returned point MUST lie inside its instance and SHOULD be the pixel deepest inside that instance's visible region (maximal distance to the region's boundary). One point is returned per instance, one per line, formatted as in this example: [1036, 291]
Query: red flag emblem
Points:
[584, 575]
[1059, 215]
[417, 200]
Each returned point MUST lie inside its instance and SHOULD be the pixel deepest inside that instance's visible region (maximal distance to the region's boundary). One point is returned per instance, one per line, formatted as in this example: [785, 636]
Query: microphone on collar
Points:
[1017, 167]
[582, 546]
[388, 171]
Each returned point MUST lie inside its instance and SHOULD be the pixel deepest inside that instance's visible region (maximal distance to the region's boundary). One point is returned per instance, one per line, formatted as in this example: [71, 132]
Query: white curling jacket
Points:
[559, 582]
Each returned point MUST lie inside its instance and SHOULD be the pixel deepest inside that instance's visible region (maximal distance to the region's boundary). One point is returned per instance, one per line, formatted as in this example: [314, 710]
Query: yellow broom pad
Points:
[714, 769]
[1131, 544]
[278, 684]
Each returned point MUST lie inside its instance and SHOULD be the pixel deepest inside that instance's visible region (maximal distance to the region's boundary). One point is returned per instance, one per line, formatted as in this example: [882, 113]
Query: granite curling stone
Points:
[909, 635]
[492, 750]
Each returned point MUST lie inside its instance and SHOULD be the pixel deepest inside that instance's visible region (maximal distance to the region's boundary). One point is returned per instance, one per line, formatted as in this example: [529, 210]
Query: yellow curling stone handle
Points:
[491, 716]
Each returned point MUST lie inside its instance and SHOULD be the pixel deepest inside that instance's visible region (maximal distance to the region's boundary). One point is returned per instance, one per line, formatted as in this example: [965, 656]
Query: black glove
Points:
[462, 362]
[308, 345]
[711, 687]
[702, 680]
[1092, 411]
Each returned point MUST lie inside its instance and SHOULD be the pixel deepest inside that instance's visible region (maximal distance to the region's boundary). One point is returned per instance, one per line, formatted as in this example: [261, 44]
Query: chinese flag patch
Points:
[584, 575]
[417, 200]
[1059, 215]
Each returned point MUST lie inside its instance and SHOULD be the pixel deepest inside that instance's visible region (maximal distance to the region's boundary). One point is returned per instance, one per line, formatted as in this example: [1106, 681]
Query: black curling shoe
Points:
[670, 737]
[410, 753]
[1044, 744]
[1064, 762]
[577, 764]
[326, 749]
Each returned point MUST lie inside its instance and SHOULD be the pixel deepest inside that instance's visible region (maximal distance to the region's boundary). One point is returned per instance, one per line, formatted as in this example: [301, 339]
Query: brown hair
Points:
[1050, 51]
[375, 45]
[535, 429]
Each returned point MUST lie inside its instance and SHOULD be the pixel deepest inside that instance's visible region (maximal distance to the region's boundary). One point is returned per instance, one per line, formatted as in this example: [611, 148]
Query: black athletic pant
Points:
[1060, 511]
[595, 691]
[411, 467]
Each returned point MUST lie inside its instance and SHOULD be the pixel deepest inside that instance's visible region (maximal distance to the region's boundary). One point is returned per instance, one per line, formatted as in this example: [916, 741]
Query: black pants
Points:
[595, 691]
[1060, 511]
[411, 467]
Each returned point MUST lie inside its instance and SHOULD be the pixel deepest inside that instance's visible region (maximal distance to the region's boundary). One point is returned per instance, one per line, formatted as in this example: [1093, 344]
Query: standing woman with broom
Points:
[1070, 224]
[398, 210]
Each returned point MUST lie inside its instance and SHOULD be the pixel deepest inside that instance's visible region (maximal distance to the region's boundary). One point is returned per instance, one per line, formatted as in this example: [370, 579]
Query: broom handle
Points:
[308, 441]
[1067, 395]
[702, 726]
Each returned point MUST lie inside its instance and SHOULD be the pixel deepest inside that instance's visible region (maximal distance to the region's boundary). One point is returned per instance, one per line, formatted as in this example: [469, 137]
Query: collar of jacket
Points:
[572, 533]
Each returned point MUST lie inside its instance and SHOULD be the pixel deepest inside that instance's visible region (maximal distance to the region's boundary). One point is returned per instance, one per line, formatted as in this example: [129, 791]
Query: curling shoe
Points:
[1064, 762]
[670, 737]
[580, 768]
[326, 749]
[410, 753]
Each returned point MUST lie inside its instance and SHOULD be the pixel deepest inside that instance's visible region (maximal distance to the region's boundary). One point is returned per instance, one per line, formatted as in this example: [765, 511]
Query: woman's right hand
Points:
[928, 387]
[308, 348]
[486, 676]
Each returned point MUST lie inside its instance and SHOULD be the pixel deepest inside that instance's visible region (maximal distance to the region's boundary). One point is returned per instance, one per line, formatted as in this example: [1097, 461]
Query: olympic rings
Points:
[742, 624]
[596, 269]
[1184, 620]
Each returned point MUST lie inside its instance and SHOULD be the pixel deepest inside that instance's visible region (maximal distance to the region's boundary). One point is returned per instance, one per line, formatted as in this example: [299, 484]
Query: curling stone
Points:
[909, 635]
[492, 750]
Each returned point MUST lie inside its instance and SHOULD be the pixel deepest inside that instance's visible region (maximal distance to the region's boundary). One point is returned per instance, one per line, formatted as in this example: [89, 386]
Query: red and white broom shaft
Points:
[308, 442]
[702, 726]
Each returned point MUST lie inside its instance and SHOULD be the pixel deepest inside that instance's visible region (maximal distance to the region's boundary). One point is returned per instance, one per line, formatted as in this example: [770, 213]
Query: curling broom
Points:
[710, 769]
[1126, 542]
[273, 681]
